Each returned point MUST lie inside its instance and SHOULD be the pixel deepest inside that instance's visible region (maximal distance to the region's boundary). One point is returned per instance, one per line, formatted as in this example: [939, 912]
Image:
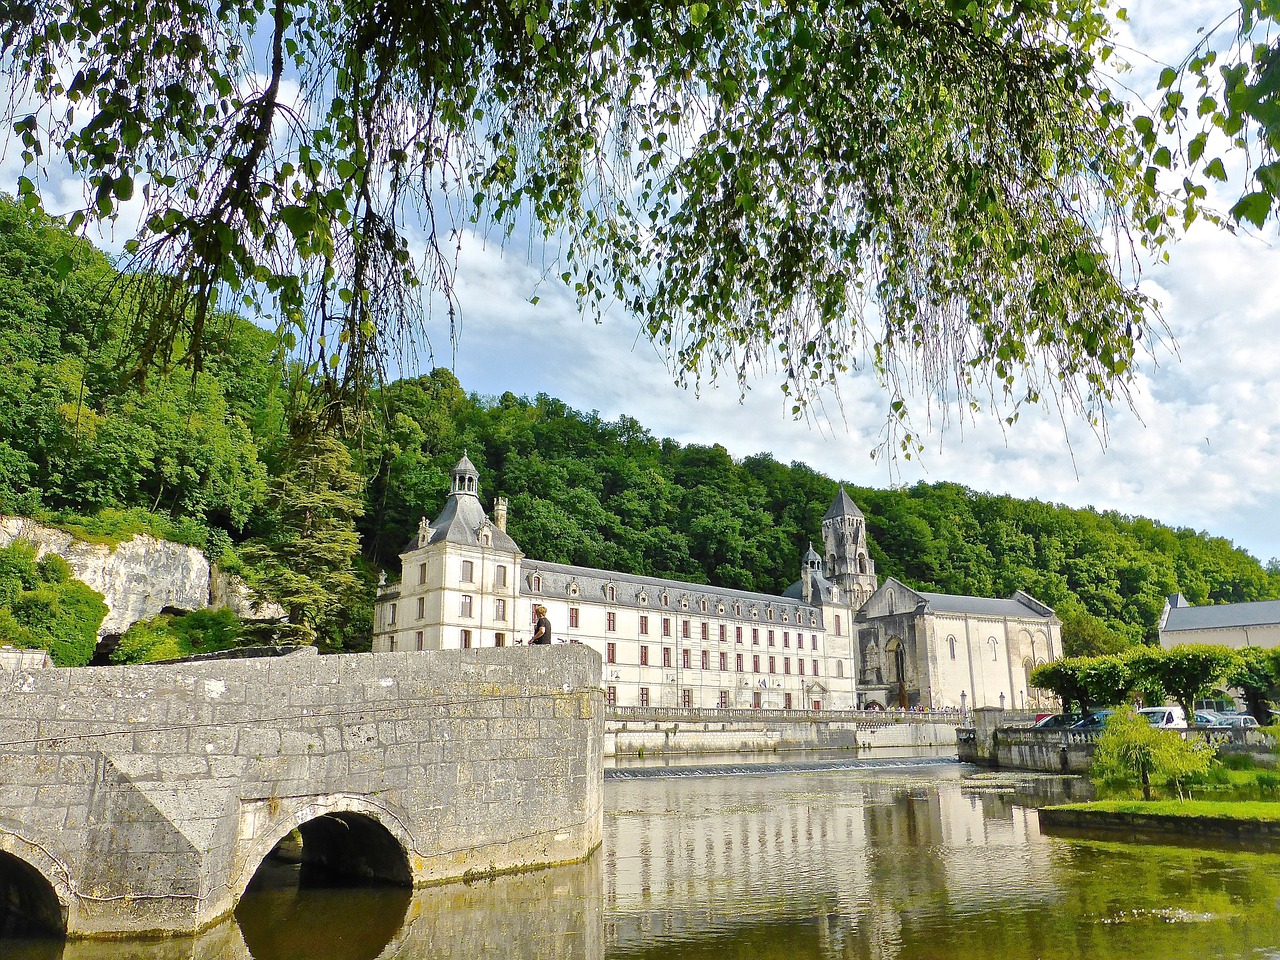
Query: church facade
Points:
[835, 639]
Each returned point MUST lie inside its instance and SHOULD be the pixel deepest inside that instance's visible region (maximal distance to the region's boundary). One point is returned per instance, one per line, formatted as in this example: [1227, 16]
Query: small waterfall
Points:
[753, 769]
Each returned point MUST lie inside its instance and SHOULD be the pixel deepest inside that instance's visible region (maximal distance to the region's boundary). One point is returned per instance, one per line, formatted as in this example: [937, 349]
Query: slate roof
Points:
[980, 606]
[1219, 615]
[1019, 606]
[460, 522]
[841, 506]
[557, 577]
[821, 588]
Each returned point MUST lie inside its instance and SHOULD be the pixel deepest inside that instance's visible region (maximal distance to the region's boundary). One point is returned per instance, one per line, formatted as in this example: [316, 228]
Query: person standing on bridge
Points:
[541, 627]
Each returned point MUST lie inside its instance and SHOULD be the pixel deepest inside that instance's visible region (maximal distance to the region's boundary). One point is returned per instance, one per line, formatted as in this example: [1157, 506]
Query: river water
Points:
[891, 863]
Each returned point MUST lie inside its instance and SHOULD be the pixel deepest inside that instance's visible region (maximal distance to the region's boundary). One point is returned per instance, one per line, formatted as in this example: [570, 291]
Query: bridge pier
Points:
[141, 800]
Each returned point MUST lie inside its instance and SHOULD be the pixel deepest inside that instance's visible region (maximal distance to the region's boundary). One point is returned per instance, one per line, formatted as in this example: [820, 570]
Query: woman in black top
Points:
[542, 627]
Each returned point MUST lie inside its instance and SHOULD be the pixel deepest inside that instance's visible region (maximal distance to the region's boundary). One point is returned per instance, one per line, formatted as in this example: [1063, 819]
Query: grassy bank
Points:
[1254, 810]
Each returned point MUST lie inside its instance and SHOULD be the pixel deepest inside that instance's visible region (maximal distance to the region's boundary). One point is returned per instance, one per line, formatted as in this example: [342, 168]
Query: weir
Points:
[142, 799]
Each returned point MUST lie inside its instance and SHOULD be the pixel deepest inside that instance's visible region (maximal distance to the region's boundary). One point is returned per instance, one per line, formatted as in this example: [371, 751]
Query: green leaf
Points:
[1215, 169]
[698, 13]
[1254, 207]
[1167, 77]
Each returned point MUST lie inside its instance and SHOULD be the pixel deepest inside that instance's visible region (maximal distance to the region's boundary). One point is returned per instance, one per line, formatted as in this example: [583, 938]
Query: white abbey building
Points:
[836, 639]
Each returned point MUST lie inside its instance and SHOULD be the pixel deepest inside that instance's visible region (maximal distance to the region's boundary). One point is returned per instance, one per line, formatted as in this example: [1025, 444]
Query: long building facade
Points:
[836, 639]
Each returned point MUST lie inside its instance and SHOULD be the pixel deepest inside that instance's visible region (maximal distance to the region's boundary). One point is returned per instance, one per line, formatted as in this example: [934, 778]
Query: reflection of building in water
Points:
[835, 639]
[864, 854]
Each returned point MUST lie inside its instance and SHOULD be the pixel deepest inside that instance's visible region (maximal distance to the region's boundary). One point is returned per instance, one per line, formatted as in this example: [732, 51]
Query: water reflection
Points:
[845, 865]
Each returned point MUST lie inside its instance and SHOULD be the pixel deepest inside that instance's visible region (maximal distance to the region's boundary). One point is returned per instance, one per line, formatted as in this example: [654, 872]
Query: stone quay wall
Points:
[147, 796]
[658, 730]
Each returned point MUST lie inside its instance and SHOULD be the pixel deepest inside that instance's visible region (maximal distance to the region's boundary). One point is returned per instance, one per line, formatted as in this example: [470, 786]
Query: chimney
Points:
[500, 513]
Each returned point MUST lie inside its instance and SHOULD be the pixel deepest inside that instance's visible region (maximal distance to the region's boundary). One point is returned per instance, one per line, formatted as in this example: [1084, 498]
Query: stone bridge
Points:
[141, 800]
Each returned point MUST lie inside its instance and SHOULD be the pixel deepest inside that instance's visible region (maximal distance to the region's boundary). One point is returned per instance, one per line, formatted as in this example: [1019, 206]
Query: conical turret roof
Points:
[841, 506]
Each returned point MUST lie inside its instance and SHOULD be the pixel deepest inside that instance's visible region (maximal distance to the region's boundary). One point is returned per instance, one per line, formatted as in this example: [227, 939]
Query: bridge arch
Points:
[343, 835]
[31, 904]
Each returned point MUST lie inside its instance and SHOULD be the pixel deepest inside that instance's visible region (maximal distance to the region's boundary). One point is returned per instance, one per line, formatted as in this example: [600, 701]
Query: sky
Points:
[1200, 447]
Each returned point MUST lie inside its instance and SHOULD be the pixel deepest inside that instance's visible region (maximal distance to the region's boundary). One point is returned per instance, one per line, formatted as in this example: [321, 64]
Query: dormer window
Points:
[644, 597]
[666, 600]
[611, 592]
[537, 583]
[684, 603]
[702, 604]
[573, 588]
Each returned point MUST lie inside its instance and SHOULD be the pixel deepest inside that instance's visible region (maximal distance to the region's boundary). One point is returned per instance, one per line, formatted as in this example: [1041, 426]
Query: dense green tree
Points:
[1186, 673]
[305, 559]
[1256, 672]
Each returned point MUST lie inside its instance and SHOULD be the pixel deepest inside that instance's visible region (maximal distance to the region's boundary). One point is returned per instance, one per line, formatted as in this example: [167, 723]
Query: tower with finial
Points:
[848, 563]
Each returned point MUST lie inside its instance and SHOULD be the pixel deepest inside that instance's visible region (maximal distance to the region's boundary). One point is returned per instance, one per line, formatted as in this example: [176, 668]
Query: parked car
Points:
[1056, 721]
[1241, 720]
[1209, 718]
[1165, 718]
[1093, 721]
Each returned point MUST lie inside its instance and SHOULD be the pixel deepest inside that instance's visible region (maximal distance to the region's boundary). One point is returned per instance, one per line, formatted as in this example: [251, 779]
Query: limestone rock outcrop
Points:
[140, 577]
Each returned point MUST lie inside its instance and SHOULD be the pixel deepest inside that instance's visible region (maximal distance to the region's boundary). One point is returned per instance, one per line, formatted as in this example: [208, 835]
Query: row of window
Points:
[991, 641]
[611, 596]
[686, 699]
[469, 573]
[687, 661]
[466, 608]
[465, 638]
[686, 630]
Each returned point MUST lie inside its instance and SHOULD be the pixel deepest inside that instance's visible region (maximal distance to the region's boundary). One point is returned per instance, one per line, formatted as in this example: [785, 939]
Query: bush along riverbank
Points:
[1155, 786]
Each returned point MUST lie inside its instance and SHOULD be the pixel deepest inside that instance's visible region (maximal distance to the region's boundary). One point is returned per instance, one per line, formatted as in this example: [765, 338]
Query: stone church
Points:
[836, 639]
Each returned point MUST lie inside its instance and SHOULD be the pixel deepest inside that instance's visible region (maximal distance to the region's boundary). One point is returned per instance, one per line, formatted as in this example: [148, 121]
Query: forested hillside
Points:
[223, 459]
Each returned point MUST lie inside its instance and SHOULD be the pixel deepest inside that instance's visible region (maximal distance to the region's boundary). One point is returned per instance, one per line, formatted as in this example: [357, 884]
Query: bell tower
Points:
[848, 564]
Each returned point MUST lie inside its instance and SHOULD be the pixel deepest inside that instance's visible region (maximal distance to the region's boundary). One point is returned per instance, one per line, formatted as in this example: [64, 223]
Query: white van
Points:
[1165, 718]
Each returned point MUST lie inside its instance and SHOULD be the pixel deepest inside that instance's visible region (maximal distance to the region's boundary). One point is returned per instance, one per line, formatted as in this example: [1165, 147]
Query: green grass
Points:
[1189, 809]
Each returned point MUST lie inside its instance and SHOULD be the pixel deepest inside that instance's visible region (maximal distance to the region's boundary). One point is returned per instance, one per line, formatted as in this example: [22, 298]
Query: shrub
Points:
[42, 606]
[1131, 749]
[1237, 761]
[168, 637]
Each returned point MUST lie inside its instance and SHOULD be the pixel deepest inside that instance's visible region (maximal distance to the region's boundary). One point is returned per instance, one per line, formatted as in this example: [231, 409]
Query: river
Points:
[900, 863]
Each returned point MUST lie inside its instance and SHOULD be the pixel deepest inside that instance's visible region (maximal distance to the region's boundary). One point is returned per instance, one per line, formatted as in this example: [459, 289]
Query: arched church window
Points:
[951, 642]
[839, 668]
[995, 656]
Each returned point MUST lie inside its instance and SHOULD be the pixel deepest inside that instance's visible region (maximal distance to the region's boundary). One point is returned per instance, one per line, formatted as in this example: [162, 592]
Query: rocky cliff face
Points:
[139, 578]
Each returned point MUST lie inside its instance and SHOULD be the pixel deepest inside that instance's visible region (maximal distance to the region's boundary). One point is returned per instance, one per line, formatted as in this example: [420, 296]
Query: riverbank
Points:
[1249, 824]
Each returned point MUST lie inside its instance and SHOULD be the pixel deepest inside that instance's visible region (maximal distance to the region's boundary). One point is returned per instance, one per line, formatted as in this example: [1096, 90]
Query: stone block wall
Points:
[148, 795]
